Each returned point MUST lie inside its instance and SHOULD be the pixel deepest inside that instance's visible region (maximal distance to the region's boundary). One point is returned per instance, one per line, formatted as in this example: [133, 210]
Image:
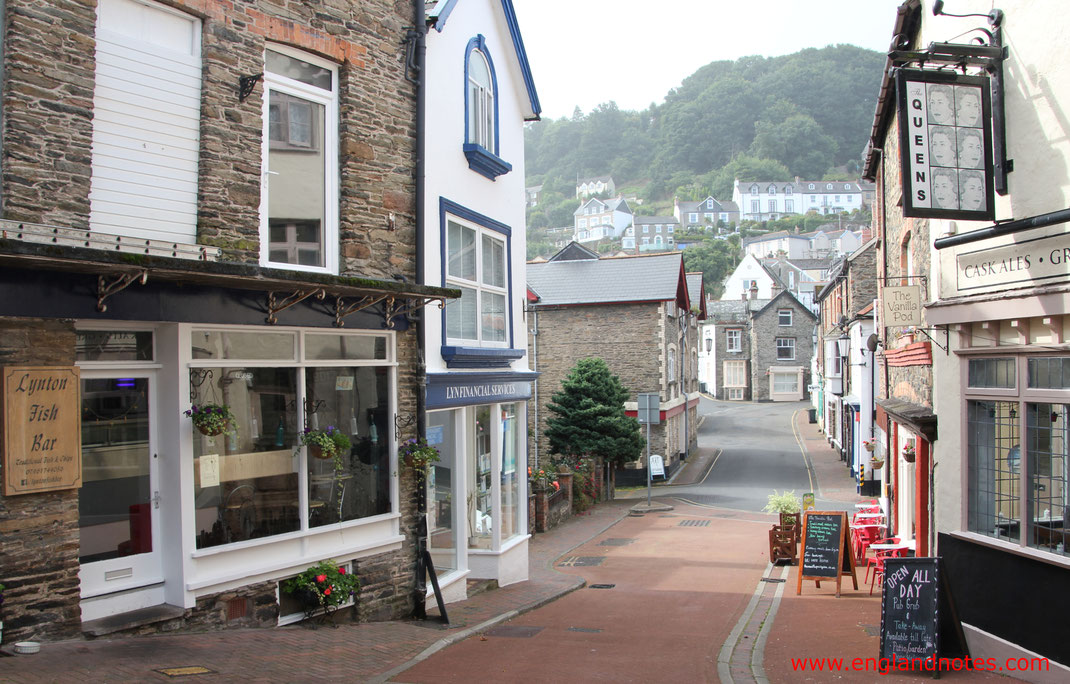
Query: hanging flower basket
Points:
[210, 419]
[877, 463]
[908, 453]
[869, 445]
[418, 454]
[325, 444]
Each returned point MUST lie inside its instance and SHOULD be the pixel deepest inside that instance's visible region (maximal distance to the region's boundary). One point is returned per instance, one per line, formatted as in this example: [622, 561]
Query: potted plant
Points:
[211, 419]
[869, 444]
[418, 454]
[324, 586]
[783, 503]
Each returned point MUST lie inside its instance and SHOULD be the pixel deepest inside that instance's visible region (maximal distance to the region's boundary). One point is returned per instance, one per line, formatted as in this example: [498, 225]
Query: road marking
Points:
[804, 452]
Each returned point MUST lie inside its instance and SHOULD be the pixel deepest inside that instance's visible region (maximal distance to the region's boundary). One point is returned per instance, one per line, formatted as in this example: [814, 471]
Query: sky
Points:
[588, 52]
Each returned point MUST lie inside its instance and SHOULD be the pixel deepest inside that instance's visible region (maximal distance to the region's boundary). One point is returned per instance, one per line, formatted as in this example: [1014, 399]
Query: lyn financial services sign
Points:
[945, 145]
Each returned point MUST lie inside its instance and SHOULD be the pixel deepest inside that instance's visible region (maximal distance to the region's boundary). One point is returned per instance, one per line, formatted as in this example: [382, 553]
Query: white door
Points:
[119, 500]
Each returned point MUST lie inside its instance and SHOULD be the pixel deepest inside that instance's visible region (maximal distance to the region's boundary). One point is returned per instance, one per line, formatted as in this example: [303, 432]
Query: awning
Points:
[919, 419]
[281, 288]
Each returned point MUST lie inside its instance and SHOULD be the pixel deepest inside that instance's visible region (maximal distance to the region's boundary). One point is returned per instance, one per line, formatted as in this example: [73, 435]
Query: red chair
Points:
[867, 536]
[872, 560]
[879, 557]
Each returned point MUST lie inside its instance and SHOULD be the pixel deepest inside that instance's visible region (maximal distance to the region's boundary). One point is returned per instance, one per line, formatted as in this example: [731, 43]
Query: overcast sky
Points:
[586, 52]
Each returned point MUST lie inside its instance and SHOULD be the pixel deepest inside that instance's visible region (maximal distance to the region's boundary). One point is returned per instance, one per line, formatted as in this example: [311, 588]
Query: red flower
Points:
[327, 591]
[321, 578]
[341, 571]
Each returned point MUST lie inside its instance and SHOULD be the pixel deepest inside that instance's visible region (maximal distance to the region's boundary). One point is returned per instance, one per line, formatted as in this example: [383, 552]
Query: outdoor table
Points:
[862, 516]
[891, 546]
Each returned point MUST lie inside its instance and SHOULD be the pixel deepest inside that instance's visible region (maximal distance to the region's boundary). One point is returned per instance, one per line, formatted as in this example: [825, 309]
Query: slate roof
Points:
[695, 294]
[802, 187]
[651, 278]
[730, 311]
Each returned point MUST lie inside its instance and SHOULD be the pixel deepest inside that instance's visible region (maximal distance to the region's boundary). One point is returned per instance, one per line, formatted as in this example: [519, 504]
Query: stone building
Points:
[782, 334]
[974, 397]
[726, 332]
[205, 202]
[637, 314]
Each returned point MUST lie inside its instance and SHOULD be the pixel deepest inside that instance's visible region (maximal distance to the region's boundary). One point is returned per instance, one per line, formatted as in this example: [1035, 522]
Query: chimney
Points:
[744, 295]
[775, 290]
[754, 291]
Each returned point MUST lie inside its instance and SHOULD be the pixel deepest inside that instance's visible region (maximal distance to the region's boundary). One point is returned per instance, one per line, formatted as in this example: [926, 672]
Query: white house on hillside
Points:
[770, 200]
[705, 212]
[599, 219]
[479, 94]
[587, 187]
[792, 245]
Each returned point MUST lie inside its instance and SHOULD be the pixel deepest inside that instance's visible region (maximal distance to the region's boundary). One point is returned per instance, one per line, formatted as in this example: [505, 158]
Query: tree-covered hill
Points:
[806, 114]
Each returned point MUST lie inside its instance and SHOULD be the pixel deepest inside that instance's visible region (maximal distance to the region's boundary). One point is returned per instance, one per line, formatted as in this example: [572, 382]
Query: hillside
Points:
[806, 114]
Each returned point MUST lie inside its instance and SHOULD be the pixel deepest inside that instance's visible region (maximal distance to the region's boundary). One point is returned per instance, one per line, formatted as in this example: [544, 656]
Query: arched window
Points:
[480, 103]
[481, 112]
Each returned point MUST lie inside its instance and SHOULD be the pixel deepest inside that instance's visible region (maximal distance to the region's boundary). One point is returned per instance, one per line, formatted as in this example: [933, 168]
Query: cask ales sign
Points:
[42, 446]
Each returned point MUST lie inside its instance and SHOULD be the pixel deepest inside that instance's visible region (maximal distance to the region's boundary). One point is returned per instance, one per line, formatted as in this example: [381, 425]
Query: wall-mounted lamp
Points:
[995, 17]
[246, 85]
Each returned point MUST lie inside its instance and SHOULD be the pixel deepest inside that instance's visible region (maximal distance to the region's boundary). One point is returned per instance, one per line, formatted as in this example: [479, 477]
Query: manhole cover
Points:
[588, 561]
[694, 523]
[515, 631]
[602, 586]
[590, 630]
[617, 541]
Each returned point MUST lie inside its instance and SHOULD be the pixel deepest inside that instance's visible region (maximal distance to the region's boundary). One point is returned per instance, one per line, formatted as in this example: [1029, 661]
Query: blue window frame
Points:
[477, 329]
[481, 112]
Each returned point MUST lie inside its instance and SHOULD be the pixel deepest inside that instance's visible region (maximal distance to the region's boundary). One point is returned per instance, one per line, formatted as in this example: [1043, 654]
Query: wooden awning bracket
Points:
[106, 286]
[341, 309]
[394, 309]
[275, 305]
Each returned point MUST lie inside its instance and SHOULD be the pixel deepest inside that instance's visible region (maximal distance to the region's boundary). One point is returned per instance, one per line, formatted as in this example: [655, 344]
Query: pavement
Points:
[759, 627]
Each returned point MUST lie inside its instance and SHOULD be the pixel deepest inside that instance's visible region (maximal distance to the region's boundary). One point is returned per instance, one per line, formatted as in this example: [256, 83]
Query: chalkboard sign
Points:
[826, 555]
[918, 618]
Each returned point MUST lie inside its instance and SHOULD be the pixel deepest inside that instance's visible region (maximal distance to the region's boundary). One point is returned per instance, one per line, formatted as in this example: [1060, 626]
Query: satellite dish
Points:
[872, 342]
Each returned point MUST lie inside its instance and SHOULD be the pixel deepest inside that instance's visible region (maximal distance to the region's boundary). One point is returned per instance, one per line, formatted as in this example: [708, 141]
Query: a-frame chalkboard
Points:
[918, 617]
[826, 554]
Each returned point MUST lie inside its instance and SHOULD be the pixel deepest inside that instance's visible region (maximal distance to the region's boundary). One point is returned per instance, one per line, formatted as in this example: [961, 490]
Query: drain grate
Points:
[602, 586]
[586, 561]
[773, 580]
[588, 630]
[694, 523]
[515, 631]
[615, 541]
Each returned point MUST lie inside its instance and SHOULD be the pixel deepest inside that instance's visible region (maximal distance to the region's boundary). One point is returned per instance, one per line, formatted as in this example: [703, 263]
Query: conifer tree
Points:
[590, 418]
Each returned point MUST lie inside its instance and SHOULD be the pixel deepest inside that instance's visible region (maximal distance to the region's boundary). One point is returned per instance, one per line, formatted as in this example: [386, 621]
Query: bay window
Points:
[476, 263]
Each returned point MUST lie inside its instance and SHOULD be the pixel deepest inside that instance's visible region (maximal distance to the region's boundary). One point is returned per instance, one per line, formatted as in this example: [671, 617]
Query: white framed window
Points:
[772, 206]
[669, 239]
[709, 216]
[771, 190]
[846, 186]
[583, 223]
[692, 218]
[646, 241]
[670, 228]
[735, 393]
[754, 189]
[733, 340]
[789, 205]
[299, 194]
[709, 204]
[735, 374]
[754, 207]
[828, 186]
[789, 190]
[657, 229]
[785, 348]
[631, 230]
[811, 186]
[477, 264]
[646, 229]
[784, 317]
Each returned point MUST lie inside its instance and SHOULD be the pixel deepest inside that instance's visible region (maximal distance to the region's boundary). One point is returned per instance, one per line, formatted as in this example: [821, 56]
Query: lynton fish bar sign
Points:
[945, 145]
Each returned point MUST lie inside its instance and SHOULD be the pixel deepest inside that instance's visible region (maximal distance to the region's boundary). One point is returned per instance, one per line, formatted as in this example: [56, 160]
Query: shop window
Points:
[993, 452]
[248, 481]
[477, 264]
[511, 432]
[300, 170]
[1047, 494]
[441, 533]
[114, 345]
[480, 489]
[991, 373]
[1049, 373]
[785, 383]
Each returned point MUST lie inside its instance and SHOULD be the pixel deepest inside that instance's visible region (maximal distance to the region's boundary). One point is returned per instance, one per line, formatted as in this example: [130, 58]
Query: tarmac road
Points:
[759, 453]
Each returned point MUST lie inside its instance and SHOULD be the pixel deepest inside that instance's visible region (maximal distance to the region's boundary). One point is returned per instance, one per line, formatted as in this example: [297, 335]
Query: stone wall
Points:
[39, 532]
[627, 336]
[904, 241]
